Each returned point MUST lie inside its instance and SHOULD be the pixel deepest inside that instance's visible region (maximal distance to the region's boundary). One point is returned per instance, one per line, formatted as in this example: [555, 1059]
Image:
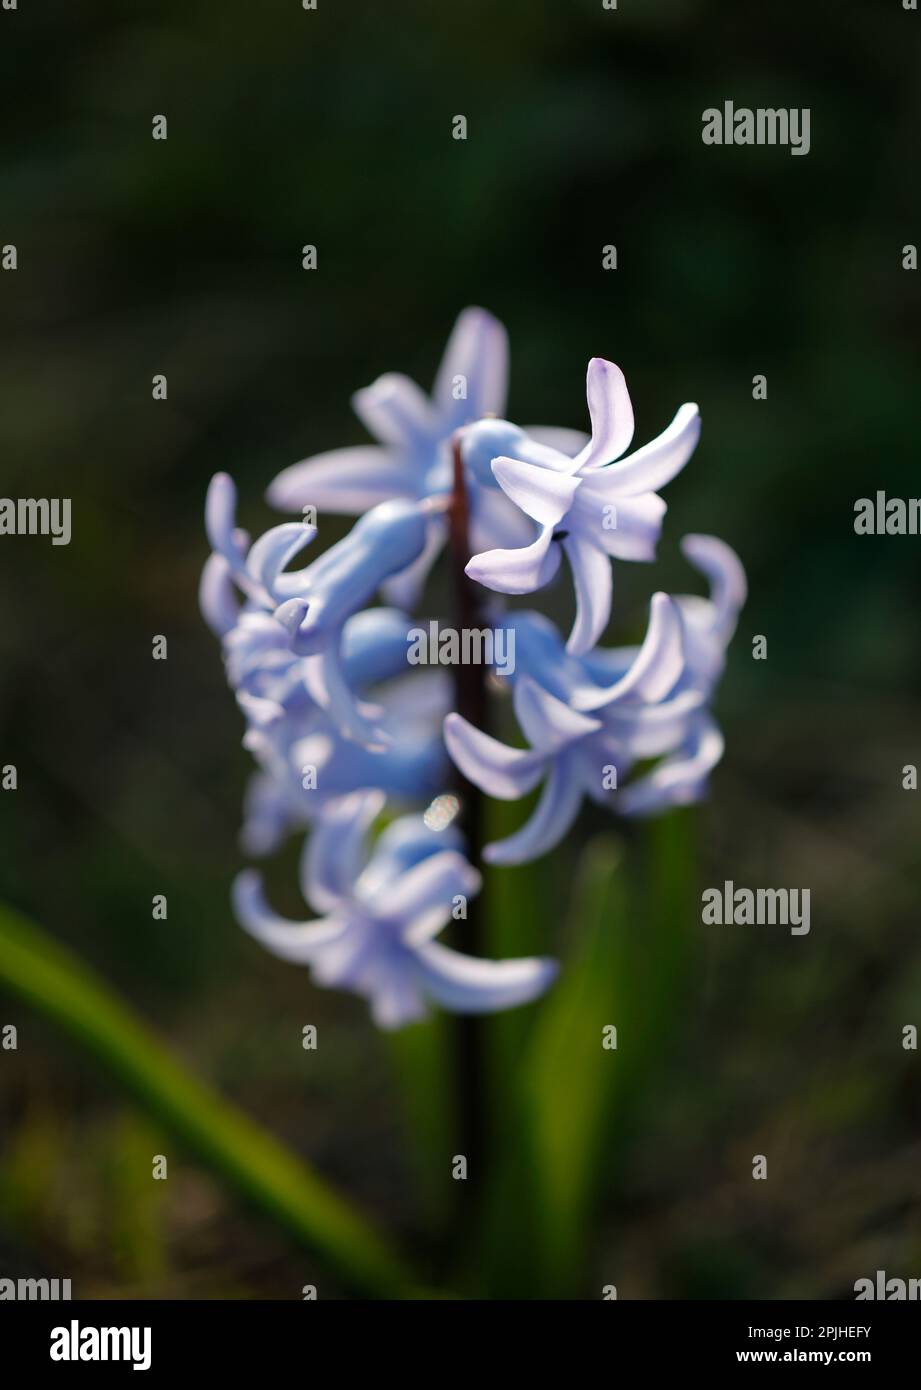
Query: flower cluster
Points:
[340, 725]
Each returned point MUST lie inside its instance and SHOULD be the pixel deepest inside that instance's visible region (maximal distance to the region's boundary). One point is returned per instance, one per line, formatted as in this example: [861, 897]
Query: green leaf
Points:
[421, 1056]
[624, 965]
[55, 981]
[571, 1077]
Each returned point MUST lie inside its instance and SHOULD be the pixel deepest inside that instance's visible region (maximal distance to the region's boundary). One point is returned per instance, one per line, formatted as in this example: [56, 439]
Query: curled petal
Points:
[627, 529]
[656, 463]
[554, 814]
[220, 512]
[334, 852]
[591, 570]
[466, 984]
[347, 481]
[548, 724]
[272, 552]
[294, 941]
[423, 897]
[651, 730]
[517, 571]
[353, 718]
[396, 411]
[405, 842]
[503, 772]
[382, 543]
[657, 665]
[677, 781]
[477, 351]
[217, 597]
[611, 415]
[542, 494]
[723, 568]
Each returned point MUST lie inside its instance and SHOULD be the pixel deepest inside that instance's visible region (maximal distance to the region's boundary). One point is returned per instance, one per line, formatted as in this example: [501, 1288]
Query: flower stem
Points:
[471, 702]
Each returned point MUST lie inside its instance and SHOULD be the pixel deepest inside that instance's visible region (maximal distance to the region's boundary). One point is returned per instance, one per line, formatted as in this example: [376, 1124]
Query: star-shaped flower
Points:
[376, 935]
[572, 752]
[310, 605]
[412, 458]
[592, 507]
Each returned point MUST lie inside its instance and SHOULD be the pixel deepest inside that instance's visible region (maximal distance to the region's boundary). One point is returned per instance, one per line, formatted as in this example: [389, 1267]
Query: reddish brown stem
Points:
[471, 702]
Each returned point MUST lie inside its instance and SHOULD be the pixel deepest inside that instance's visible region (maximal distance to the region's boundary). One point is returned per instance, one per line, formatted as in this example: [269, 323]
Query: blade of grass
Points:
[53, 980]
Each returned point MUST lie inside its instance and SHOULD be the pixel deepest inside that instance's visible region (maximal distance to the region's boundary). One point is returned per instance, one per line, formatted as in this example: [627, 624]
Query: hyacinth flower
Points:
[578, 724]
[308, 763]
[339, 723]
[313, 604]
[290, 734]
[708, 625]
[412, 429]
[574, 753]
[379, 915]
[595, 507]
[412, 459]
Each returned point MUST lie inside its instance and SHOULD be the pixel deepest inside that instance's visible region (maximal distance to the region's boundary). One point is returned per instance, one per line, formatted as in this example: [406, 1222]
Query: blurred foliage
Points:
[136, 257]
[50, 978]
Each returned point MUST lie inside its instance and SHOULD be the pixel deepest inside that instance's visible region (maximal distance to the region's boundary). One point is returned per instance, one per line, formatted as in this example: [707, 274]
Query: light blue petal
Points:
[217, 597]
[397, 412]
[656, 463]
[353, 718]
[397, 999]
[611, 414]
[270, 554]
[517, 571]
[627, 529]
[542, 494]
[349, 574]
[679, 780]
[220, 524]
[470, 985]
[723, 568]
[554, 814]
[335, 850]
[348, 481]
[591, 571]
[404, 843]
[405, 588]
[294, 941]
[374, 646]
[484, 440]
[495, 522]
[657, 665]
[421, 899]
[500, 771]
[477, 352]
[548, 723]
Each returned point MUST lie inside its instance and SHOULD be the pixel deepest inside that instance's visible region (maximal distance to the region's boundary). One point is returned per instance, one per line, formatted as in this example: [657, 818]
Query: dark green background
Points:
[138, 257]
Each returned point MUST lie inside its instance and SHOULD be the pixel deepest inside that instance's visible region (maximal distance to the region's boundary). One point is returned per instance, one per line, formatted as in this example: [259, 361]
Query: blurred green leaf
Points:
[52, 979]
[421, 1058]
[627, 955]
[136, 1203]
[571, 1076]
